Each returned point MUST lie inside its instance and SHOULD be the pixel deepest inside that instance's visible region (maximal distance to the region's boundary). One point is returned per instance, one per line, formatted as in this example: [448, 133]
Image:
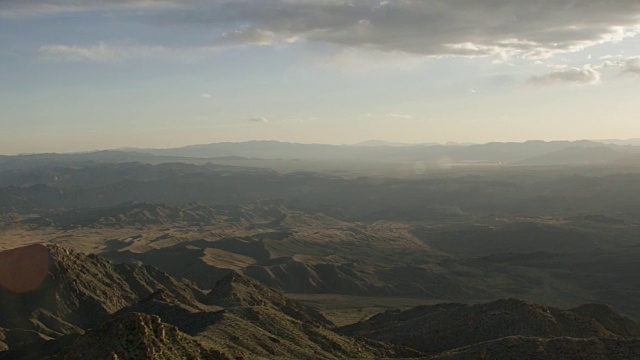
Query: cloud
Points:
[38, 8]
[260, 119]
[105, 52]
[502, 29]
[576, 76]
[632, 66]
[206, 96]
[471, 28]
[100, 52]
[399, 116]
[627, 66]
[252, 36]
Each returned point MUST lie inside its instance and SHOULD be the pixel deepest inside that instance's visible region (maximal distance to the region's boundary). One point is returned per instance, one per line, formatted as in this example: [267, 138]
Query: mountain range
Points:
[377, 152]
[147, 314]
[467, 251]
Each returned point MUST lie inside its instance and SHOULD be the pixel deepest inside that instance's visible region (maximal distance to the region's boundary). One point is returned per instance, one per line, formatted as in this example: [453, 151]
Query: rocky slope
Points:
[437, 328]
[93, 308]
[247, 319]
[566, 348]
[237, 290]
[78, 291]
[131, 336]
[136, 336]
[73, 306]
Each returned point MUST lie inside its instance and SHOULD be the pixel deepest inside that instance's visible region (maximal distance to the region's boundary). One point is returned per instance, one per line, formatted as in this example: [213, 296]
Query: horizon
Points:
[364, 143]
[169, 73]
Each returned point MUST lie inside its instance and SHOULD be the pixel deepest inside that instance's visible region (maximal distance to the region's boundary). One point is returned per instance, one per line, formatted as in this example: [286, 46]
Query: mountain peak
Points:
[238, 290]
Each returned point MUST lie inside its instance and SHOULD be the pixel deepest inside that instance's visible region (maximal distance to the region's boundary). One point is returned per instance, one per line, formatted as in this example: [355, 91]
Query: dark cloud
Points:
[504, 28]
[529, 28]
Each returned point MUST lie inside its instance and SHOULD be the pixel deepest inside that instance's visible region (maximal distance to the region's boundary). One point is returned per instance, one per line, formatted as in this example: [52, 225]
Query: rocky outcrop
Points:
[137, 336]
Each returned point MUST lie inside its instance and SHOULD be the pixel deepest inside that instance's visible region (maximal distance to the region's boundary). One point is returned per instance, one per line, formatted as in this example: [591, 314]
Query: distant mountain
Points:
[387, 143]
[372, 151]
[381, 151]
[253, 149]
[513, 153]
[622, 142]
[577, 155]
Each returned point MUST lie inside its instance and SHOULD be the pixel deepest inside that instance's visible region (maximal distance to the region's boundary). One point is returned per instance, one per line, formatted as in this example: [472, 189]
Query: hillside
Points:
[96, 309]
[437, 328]
[79, 291]
[89, 307]
[566, 348]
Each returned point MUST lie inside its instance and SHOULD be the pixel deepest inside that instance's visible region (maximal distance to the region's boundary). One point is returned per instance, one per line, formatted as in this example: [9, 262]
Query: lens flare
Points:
[23, 269]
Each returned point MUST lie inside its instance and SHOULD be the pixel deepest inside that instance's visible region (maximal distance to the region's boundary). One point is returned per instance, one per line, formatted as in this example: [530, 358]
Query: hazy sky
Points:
[93, 74]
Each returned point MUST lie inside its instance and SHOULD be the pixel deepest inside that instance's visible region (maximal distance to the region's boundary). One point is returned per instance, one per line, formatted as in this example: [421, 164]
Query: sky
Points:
[96, 74]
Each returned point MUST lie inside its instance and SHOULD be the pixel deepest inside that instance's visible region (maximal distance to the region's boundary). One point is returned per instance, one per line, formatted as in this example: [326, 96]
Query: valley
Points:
[243, 262]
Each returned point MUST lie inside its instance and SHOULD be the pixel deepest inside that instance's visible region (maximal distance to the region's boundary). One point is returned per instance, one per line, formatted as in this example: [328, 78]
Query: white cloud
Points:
[104, 52]
[576, 76]
[206, 96]
[252, 36]
[100, 52]
[399, 116]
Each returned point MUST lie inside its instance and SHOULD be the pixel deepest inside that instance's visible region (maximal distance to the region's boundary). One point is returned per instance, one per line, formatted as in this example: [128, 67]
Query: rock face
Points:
[437, 328]
[136, 336]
